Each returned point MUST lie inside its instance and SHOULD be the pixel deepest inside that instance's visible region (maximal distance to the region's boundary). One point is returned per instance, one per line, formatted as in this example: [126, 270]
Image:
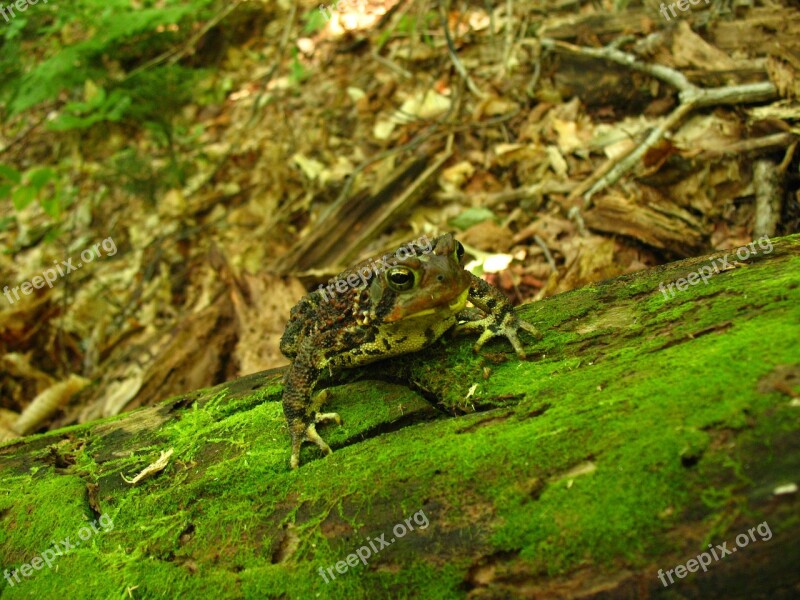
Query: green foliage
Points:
[104, 63]
[101, 107]
[471, 216]
[158, 93]
[108, 39]
[409, 25]
[299, 73]
[315, 20]
[24, 188]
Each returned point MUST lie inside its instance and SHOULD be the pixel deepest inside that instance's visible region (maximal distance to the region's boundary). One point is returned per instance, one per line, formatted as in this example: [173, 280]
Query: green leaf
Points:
[383, 38]
[315, 20]
[10, 173]
[299, 73]
[5, 190]
[23, 196]
[15, 28]
[7, 222]
[111, 108]
[470, 217]
[52, 234]
[40, 177]
[407, 24]
[51, 206]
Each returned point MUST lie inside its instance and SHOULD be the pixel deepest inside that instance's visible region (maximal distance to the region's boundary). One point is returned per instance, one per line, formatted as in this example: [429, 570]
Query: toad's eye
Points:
[459, 251]
[400, 279]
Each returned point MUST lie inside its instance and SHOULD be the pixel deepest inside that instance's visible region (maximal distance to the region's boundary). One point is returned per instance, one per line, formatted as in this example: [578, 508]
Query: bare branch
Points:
[671, 76]
[691, 97]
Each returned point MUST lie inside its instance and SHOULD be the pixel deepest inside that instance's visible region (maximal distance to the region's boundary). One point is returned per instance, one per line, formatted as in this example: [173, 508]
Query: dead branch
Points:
[691, 97]
[761, 144]
[768, 188]
[451, 48]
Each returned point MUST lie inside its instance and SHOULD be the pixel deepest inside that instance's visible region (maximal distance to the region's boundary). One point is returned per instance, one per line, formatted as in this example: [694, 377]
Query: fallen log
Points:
[649, 442]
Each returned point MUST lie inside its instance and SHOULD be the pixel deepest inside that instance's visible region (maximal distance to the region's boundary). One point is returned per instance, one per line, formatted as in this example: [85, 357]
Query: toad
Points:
[401, 308]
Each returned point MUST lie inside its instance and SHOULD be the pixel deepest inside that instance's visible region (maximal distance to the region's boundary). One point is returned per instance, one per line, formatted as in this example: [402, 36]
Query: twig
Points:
[627, 162]
[671, 76]
[734, 94]
[155, 467]
[768, 191]
[549, 257]
[768, 142]
[598, 173]
[451, 48]
[391, 65]
[509, 37]
[576, 216]
[691, 97]
[787, 158]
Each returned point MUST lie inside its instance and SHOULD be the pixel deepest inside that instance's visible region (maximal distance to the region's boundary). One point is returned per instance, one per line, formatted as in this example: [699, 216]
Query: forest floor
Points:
[565, 143]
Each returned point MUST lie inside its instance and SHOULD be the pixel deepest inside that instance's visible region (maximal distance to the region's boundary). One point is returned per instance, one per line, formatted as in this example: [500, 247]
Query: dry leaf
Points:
[151, 469]
[48, 402]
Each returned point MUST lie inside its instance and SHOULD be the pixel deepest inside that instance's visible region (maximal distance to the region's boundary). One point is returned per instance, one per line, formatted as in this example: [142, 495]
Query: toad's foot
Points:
[490, 327]
[308, 433]
[327, 418]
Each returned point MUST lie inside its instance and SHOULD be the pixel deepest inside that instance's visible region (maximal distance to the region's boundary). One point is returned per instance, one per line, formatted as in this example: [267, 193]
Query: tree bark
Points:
[650, 425]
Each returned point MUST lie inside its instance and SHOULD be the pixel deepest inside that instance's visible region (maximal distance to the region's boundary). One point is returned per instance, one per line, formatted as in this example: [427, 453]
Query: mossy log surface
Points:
[640, 430]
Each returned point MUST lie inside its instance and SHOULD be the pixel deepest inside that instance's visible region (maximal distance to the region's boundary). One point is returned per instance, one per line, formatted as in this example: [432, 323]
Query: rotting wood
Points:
[642, 428]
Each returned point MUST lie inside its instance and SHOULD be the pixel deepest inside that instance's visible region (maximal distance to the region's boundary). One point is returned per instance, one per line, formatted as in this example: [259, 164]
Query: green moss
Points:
[620, 426]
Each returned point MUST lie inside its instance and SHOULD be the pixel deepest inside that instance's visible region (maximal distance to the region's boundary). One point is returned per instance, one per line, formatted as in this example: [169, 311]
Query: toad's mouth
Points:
[454, 306]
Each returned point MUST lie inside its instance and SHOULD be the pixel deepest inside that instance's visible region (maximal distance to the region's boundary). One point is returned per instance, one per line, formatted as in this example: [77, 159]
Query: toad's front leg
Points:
[301, 411]
[500, 319]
